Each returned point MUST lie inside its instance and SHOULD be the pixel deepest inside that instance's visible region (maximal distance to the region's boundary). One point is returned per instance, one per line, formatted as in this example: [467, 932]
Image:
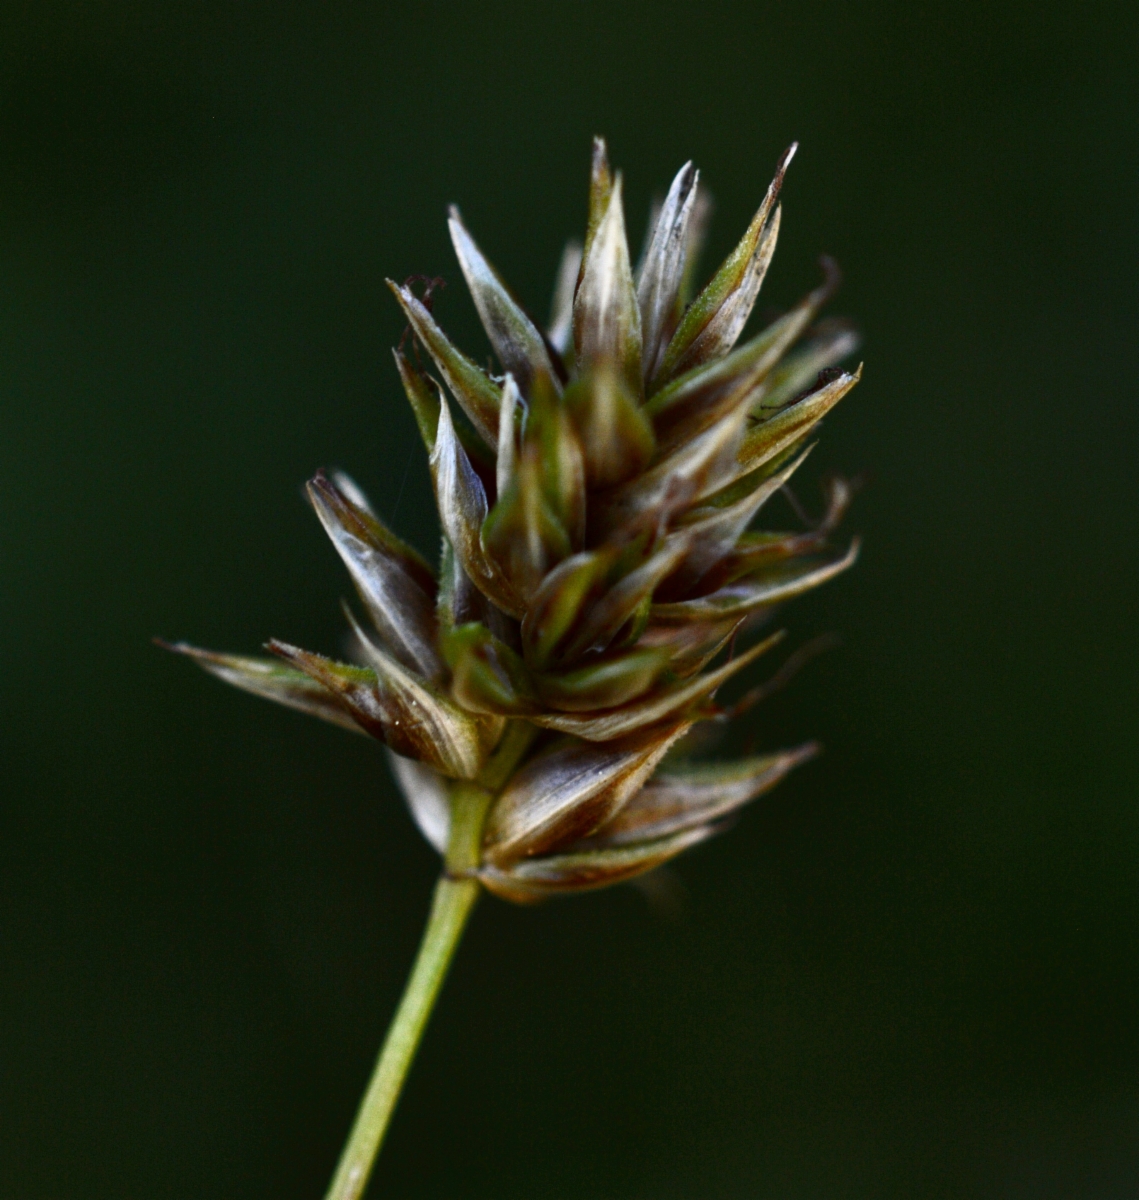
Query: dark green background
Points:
[912, 971]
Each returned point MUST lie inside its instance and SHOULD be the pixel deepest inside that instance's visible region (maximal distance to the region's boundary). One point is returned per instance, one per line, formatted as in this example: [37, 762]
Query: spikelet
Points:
[595, 502]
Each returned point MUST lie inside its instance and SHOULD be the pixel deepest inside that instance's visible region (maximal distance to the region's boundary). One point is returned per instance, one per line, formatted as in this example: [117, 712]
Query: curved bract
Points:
[599, 575]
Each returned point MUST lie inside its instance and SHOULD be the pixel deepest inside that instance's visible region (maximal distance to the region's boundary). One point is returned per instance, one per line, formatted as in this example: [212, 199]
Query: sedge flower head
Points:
[599, 576]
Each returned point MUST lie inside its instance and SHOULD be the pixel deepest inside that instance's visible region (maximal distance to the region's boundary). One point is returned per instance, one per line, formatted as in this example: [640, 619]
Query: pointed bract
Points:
[669, 703]
[600, 189]
[694, 238]
[461, 498]
[690, 647]
[688, 797]
[831, 342]
[513, 335]
[534, 879]
[407, 714]
[710, 533]
[388, 575]
[560, 331]
[427, 798]
[606, 318]
[507, 435]
[748, 594]
[569, 790]
[663, 269]
[767, 439]
[756, 551]
[716, 318]
[602, 683]
[694, 400]
[271, 679]
[422, 397]
[471, 387]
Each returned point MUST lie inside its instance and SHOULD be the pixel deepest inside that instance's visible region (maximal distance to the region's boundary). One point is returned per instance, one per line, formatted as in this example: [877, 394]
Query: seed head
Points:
[595, 502]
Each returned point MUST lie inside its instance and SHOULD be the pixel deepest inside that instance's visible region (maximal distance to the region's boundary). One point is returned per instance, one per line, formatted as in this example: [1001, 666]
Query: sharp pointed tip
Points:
[320, 491]
[805, 753]
[756, 651]
[460, 236]
[768, 643]
[684, 183]
[600, 157]
[187, 650]
[782, 165]
[444, 428]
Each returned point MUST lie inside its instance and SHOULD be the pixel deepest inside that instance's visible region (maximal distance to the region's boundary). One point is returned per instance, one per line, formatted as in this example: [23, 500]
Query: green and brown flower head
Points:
[599, 575]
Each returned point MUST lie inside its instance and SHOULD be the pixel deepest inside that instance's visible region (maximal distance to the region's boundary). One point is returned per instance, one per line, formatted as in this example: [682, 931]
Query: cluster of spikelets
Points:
[595, 502]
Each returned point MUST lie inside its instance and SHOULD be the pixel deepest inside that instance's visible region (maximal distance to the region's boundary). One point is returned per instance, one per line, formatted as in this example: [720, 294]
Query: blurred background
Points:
[911, 971]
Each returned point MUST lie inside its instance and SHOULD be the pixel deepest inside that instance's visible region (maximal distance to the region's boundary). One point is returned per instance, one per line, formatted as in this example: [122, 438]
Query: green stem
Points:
[454, 899]
[453, 902]
[455, 896]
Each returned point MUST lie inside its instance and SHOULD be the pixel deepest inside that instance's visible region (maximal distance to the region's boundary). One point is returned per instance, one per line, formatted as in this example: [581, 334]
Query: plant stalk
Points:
[454, 898]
